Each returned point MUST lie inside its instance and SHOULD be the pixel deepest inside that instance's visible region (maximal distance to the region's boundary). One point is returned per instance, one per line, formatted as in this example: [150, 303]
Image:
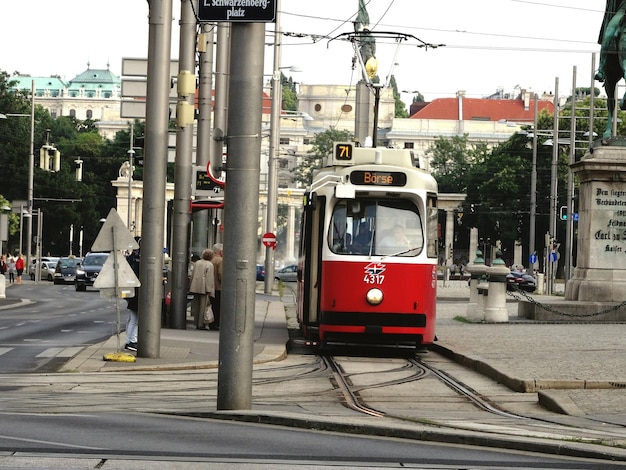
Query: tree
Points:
[322, 148]
[400, 110]
[290, 95]
[451, 159]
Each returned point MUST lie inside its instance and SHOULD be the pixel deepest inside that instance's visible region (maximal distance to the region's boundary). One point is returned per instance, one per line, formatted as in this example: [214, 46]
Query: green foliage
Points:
[400, 107]
[290, 93]
[419, 98]
[322, 147]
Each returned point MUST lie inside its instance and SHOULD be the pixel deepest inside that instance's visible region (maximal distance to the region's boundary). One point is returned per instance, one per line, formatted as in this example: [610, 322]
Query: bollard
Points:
[3, 287]
[495, 307]
[540, 284]
[477, 270]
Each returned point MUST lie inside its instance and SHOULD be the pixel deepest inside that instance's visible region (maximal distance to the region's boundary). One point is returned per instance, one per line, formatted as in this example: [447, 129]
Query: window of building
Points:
[284, 141]
[72, 113]
[89, 114]
[409, 145]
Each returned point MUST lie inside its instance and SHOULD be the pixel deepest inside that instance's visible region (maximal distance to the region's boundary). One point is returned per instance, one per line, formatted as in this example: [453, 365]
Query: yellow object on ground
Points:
[119, 357]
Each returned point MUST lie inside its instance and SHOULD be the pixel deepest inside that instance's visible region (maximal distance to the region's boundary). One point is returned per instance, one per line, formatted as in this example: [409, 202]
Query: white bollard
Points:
[477, 270]
[540, 288]
[495, 308]
[3, 287]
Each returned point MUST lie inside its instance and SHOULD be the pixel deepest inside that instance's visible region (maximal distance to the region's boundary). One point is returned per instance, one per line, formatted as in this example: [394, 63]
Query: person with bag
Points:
[217, 299]
[202, 286]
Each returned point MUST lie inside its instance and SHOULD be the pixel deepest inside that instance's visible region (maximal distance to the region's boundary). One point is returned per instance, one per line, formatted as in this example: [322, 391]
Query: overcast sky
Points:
[488, 43]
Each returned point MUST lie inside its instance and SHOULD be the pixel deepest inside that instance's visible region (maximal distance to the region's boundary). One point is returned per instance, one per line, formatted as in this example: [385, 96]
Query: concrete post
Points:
[241, 203]
[495, 308]
[155, 174]
[3, 287]
[477, 270]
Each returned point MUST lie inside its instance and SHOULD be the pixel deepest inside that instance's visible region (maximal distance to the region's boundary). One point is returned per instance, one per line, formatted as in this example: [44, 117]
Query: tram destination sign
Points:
[237, 11]
[378, 178]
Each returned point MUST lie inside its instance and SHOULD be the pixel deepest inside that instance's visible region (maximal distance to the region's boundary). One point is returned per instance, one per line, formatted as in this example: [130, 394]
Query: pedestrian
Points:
[3, 265]
[202, 286]
[19, 268]
[11, 265]
[218, 256]
[133, 305]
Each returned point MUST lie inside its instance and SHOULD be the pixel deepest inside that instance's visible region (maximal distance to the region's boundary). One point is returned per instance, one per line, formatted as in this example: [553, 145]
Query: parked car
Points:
[516, 280]
[89, 269]
[65, 270]
[287, 274]
[47, 268]
[260, 272]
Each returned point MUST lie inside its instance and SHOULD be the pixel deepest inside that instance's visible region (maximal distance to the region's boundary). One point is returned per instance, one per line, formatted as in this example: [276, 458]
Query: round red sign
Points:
[269, 240]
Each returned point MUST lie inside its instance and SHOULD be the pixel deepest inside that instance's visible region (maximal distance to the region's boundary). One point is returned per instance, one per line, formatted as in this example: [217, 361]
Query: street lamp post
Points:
[272, 173]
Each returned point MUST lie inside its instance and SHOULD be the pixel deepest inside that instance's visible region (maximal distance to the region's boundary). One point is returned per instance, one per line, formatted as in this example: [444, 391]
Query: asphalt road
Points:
[52, 325]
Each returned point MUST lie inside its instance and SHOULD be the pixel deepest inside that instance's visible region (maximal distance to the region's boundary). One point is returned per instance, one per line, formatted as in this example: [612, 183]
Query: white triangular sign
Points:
[126, 277]
[123, 238]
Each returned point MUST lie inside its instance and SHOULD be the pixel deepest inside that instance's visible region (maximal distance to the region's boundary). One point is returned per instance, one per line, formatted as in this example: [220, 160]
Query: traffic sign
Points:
[533, 258]
[261, 12]
[126, 277]
[114, 235]
[269, 240]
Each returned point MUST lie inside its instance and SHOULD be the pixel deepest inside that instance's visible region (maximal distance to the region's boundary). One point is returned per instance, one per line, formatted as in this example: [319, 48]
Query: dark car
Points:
[260, 272]
[89, 269]
[65, 270]
[520, 281]
[287, 274]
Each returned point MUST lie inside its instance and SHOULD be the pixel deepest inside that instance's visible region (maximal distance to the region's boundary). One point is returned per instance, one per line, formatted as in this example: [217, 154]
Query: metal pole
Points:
[21, 229]
[131, 154]
[272, 173]
[533, 184]
[183, 170]
[31, 177]
[592, 98]
[155, 174]
[553, 183]
[569, 223]
[204, 143]
[234, 383]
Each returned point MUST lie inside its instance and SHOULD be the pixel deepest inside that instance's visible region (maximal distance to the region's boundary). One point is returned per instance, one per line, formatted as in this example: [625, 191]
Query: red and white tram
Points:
[368, 251]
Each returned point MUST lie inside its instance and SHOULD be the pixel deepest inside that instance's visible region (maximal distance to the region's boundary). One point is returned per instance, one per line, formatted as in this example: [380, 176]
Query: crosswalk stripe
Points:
[50, 352]
[5, 350]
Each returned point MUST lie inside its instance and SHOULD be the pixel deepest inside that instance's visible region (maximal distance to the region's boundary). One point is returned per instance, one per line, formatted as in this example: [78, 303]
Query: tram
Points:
[368, 250]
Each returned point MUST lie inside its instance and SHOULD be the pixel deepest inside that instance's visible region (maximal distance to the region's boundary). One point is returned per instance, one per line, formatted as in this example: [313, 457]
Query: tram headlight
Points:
[374, 296]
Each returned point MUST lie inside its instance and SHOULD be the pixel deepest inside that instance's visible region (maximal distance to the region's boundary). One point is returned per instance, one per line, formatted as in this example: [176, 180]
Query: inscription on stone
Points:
[608, 224]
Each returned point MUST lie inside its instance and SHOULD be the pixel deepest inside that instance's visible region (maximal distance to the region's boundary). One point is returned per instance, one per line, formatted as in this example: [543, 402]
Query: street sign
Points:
[126, 277]
[263, 11]
[123, 239]
[533, 258]
[269, 240]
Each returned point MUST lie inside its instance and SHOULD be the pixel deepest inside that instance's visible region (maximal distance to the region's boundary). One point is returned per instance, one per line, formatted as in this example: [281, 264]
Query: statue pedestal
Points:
[600, 273]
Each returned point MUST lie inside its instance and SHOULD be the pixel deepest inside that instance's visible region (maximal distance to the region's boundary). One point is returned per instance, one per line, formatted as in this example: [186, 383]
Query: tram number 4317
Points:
[374, 278]
[374, 273]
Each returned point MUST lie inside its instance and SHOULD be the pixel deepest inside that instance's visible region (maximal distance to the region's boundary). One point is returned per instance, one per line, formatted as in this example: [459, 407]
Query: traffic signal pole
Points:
[181, 219]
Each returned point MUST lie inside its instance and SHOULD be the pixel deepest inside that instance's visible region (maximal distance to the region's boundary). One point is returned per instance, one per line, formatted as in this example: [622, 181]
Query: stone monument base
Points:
[606, 285]
[571, 311]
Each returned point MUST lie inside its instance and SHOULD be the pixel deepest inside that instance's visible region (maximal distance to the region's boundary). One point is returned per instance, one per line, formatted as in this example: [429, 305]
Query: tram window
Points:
[376, 227]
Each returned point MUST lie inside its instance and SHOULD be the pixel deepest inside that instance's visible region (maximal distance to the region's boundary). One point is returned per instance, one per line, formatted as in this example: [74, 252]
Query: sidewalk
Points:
[192, 348]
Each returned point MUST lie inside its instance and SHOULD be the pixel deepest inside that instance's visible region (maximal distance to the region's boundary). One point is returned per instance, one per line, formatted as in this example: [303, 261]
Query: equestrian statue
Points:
[612, 65]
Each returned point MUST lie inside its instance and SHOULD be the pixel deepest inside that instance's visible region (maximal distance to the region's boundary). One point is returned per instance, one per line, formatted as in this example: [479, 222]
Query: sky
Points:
[488, 44]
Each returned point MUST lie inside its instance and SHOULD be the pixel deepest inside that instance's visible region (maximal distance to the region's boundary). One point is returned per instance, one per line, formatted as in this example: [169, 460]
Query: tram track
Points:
[353, 400]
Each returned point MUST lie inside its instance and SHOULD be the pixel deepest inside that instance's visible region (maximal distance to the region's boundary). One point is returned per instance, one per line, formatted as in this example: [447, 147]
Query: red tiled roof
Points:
[481, 109]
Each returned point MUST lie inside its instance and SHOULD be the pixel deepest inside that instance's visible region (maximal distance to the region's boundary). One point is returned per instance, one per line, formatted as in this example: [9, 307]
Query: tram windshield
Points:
[376, 227]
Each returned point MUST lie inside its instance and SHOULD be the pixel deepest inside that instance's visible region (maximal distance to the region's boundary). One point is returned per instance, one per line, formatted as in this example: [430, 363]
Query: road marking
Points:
[5, 350]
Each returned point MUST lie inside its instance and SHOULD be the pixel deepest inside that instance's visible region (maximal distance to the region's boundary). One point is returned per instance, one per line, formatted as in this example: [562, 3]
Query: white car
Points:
[48, 265]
